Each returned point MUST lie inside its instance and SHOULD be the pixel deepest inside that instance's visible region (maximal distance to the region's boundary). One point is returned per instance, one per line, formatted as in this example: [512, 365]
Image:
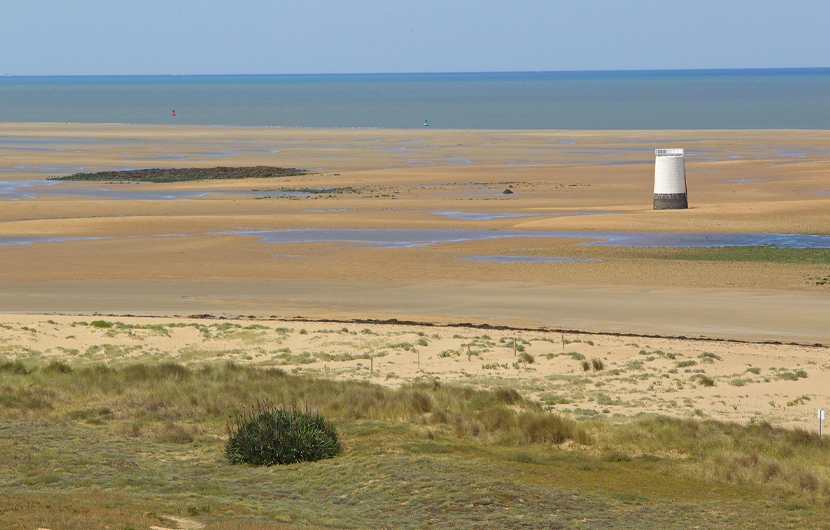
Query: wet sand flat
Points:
[157, 257]
[742, 314]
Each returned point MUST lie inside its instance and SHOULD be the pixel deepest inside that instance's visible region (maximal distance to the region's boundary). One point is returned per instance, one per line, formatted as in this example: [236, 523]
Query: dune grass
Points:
[89, 445]
[270, 435]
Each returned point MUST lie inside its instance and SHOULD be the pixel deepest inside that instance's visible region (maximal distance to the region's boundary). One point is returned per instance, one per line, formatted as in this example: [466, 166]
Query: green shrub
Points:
[269, 436]
[100, 324]
[597, 364]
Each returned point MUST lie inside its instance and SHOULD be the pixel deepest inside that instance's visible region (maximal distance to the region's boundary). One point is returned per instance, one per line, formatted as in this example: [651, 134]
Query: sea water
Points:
[680, 99]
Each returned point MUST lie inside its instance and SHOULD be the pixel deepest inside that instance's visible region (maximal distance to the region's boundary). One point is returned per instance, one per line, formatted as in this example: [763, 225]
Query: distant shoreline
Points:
[807, 69]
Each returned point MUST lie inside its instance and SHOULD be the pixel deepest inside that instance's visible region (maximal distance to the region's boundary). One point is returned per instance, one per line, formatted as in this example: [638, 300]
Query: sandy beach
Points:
[197, 255]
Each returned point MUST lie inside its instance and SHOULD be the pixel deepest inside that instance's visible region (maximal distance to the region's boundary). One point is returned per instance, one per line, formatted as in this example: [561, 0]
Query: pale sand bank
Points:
[782, 384]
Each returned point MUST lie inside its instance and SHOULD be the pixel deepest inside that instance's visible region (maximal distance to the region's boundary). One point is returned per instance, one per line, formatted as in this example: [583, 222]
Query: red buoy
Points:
[174, 113]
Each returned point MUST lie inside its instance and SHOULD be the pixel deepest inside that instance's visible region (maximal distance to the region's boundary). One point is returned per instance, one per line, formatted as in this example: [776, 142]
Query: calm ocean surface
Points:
[699, 99]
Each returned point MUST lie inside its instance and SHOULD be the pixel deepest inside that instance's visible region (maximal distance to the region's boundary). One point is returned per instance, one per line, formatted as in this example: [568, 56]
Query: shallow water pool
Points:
[403, 238]
[526, 259]
[13, 190]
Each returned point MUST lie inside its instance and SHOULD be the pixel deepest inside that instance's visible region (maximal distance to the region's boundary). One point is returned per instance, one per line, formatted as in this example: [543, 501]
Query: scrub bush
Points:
[269, 436]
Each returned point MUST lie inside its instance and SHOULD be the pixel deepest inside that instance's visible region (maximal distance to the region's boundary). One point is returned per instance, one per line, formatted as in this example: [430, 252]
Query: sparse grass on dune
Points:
[423, 454]
[792, 462]
[169, 391]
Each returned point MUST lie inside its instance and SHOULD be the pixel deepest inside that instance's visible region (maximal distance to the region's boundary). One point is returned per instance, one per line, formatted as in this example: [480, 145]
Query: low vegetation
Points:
[145, 439]
[164, 175]
[268, 435]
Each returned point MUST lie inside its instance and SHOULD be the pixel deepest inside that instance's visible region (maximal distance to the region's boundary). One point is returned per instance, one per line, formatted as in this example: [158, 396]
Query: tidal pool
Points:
[472, 216]
[28, 240]
[13, 190]
[403, 238]
[525, 259]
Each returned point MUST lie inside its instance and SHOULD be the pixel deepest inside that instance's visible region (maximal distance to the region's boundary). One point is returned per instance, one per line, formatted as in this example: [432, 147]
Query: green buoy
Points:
[426, 124]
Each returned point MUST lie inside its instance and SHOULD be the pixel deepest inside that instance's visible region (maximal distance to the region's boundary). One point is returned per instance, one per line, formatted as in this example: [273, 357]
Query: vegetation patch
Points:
[150, 439]
[786, 375]
[324, 191]
[267, 436]
[758, 254]
[164, 175]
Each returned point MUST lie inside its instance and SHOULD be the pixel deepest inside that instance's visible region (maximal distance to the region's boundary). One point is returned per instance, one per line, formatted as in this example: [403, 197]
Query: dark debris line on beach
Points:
[161, 175]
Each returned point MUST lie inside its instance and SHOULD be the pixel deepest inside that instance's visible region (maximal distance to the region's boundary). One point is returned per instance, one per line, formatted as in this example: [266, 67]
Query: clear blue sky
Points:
[91, 37]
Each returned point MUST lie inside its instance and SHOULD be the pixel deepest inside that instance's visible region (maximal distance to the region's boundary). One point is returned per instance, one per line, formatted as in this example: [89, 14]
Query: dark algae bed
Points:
[162, 175]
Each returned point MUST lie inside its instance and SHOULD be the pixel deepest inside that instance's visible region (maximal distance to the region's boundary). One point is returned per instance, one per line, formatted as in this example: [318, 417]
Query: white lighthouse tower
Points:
[669, 180]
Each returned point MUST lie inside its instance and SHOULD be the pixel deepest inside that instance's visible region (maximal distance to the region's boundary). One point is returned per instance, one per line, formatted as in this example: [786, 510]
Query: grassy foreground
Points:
[140, 445]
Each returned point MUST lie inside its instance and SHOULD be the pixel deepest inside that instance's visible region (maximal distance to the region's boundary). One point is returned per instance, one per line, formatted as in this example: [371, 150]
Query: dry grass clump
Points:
[526, 358]
[595, 364]
[793, 462]
[500, 415]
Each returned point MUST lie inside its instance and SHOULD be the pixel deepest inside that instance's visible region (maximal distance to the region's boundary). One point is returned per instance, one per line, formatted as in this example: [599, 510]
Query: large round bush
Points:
[278, 436]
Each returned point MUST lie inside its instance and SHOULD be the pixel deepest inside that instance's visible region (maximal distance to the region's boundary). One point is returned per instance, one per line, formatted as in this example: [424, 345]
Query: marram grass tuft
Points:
[269, 436]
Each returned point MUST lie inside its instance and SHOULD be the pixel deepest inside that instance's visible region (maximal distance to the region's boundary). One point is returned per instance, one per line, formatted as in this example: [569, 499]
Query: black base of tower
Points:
[670, 201]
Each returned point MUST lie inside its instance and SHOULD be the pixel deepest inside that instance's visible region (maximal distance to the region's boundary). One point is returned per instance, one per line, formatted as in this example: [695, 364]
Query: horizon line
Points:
[482, 72]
